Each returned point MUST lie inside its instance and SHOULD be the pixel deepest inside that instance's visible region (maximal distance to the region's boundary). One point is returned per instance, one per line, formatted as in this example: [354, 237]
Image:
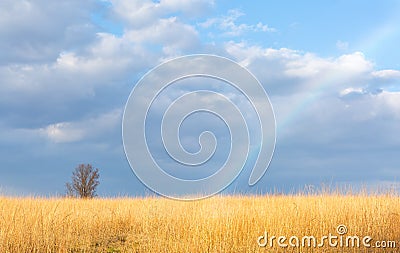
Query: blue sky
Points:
[331, 70]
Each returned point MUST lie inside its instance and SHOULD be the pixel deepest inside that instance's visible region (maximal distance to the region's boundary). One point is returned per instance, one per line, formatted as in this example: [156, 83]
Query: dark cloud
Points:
[36, 31]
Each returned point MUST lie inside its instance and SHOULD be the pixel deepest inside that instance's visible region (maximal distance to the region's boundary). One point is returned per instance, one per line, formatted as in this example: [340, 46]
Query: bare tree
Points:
[84, 182]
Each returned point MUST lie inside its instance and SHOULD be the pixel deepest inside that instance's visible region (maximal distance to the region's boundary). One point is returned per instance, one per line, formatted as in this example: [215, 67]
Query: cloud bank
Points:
[65, 80]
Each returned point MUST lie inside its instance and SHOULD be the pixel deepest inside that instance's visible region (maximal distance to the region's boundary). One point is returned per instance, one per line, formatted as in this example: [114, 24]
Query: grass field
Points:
[217, 224]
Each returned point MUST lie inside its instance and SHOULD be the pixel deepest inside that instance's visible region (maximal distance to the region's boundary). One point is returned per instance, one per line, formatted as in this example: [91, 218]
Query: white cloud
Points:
[349, 91]
[286, 71]
[390, 101]
[342, 45]
[64, 132]
[142, 13]
[299, 64]
[388, 74]
[173, 36]
[230, 27]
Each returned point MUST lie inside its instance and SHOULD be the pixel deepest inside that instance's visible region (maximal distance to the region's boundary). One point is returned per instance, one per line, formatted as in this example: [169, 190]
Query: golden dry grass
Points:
[217, 224]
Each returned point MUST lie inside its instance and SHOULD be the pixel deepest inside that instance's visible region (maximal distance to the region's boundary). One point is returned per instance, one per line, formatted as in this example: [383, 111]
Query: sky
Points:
[330, 68]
